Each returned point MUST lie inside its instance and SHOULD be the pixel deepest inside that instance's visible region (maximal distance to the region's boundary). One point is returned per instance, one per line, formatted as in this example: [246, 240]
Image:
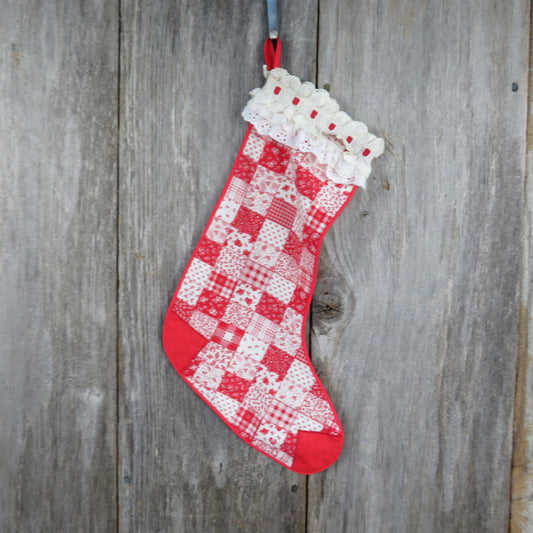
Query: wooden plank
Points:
[186, 69]
[522, 464]
[424, 267]
[58, 129]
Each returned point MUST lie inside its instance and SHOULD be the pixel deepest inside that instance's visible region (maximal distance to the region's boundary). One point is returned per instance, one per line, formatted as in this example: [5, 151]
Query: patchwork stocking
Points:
[235, 329]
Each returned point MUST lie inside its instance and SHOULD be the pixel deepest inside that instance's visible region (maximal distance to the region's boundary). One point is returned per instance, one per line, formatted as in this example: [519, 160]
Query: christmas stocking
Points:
[235, 329]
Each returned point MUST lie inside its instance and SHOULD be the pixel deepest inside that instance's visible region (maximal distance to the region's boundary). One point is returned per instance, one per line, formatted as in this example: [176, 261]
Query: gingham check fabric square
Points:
[221, 284]
[247, 422]
[255, 274]
[262, 328]
[282, 213]
[227, 335]
[237, 190]
[318, 220]
[280, 414]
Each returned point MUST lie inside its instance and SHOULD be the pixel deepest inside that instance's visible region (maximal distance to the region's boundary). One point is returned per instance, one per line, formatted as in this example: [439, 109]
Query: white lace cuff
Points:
[300, 116]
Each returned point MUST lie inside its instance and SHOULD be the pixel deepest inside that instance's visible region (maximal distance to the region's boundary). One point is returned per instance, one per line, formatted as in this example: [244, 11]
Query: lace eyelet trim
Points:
[306, 118]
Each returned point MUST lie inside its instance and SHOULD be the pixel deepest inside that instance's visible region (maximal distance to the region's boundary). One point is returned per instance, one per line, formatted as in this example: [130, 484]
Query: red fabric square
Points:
[227, 335]
[245, 168]
[277, 361]
[282, 213]
[248, 221]
[271, 308]
[208, 251]
[276, 157]
[289, 444]
[307, 184]
[318, 391]
[234, 386]
[211, 303]
[293, 246]
[311, 239]
[182, 309]
[299, 299]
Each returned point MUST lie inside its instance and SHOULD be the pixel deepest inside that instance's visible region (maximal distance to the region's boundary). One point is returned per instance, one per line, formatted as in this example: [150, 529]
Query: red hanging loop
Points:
[272, 53]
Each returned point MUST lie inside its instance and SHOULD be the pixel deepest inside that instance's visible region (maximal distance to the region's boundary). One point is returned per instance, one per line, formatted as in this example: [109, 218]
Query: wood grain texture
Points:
[58, 130]
[421, 359]
[522, 464]
[186, 70]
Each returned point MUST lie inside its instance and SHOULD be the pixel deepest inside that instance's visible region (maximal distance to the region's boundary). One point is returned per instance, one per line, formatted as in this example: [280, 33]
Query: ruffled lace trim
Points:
[306, 118]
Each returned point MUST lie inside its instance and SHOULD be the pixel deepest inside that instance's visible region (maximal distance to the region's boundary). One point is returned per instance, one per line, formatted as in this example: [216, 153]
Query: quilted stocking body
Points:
[235, 329]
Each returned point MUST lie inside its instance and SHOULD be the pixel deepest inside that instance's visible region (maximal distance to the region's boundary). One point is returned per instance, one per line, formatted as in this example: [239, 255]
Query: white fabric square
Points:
[266, 181]
[254, 147]
[330, 199]
[288, 341]
[203, 324]
[208, 376]
[227, 209]
[227, 406]
[218, 230]
[271, 434]
[291, 394]
[265, 254]
[194, 281]
[300, 374]
[246, 295]
[258, 201]
[273, 234]
[281, 288]
[252, 347]
[292, 320]
[304, 423]
[243, 366]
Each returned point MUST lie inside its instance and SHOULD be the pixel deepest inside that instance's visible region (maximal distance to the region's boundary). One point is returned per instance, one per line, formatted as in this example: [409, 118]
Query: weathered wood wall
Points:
[119, 123]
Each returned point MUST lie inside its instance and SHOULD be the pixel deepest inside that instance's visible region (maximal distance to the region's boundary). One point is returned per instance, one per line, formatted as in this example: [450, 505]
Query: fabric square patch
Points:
[246, 295]
[228, 407]
[208, 250]
[271, 434]
[227, 209]
[292, 320]
[318, 220]
[273, 234]
[194, 281]
[264, 254]
[251, 346]
[208, 376]
[277, 361]
[262, 328]
[330, 199]
[255, 274]
[245, 168]
[247, 422]
[299, 299]
[293, 246]
[305, 281]
[287, 267]
[257, 400]
[276, 156]
[258, 201]
[254, 147]
[288, 193]
[271, 307]
[244, 367]
[230, 261]
[203, 324]
[316, 408]
[211, 303]
[288, 341]
[304, 423]
[238, 315]
[228, 335]
[267, 380]
[237, 189]
[281, 213]
[221, 285]
[280, 414]
[234, 386]
[215, 355]
[266, 181]
[290, 393]
[218, 230]
[307, 184]
[281, 288]
[248, 221]
[301, 375]
[307, 261]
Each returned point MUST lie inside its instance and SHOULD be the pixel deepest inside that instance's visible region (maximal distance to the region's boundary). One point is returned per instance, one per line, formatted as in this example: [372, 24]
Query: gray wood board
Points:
[58, 142]
[424, 267]
[522, 464]
[186, 70]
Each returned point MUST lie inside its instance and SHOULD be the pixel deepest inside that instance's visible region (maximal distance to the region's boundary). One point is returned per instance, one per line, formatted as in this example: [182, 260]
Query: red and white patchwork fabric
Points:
[235, 329]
